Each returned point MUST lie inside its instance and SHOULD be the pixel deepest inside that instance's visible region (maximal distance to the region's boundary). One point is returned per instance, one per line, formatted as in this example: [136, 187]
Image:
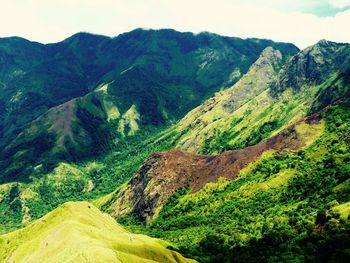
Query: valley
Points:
[162, 146]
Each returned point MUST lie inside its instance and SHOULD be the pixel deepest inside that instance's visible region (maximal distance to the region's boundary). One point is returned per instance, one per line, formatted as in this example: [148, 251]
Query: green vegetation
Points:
[249, 125]
[143, 78]
[267, 99]
[23, 202]
[79, 232]
[290, 206]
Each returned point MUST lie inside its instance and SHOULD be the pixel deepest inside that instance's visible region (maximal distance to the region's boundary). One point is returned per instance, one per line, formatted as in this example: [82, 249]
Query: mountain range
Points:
[231, 150]
[59, 100]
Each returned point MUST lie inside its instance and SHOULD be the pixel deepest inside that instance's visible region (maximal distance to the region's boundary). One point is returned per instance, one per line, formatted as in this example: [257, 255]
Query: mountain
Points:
[165, 173]
[267, 99]
[286, 206]
[314, 65]
[143, 79]
[258, 172]
[278, 188]
[79, 232]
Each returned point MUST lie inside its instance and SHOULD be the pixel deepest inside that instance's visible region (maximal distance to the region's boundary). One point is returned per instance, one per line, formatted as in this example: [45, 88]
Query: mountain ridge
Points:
[76, 232]
[173, 170]
[156, 83]
[262, 206]
[259, 172]
[211, 121]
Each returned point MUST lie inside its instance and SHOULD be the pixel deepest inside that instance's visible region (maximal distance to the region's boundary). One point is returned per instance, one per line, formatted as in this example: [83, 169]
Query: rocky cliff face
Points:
[198, 124]
[275, 92]
[313, 66]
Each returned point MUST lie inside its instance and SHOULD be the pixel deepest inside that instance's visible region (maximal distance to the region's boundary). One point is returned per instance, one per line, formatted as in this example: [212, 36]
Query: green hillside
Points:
[258, 172]
[267, 99]
[79, 232]
[153, 78]
[20, 202]
[289, 206]
[291, 203]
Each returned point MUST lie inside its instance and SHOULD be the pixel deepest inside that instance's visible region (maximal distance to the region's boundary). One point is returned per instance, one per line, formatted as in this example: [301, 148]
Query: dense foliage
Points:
[290, 206]
[162, 73]
[23, 202]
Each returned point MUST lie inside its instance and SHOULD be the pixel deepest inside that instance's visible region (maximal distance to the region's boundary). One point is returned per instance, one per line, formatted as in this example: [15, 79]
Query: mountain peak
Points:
[313, 65]
[325, 42]
[268, 56]
[83, 37]
[323, 47]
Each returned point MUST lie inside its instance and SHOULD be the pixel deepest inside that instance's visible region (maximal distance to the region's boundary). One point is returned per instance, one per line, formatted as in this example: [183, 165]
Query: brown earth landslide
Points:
[163, 173]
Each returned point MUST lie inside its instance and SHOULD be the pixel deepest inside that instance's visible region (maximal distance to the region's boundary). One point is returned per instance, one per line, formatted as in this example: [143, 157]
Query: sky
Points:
[302, 22]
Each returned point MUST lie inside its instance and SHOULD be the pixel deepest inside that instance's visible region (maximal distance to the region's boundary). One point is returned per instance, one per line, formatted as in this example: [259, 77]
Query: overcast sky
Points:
[302, 22]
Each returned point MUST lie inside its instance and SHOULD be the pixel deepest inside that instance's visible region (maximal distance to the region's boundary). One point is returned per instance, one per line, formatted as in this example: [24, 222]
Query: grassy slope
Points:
[79, 232]
[155, 77]
[250, 111]
[289, 206]
[105, 173]
[228, 107]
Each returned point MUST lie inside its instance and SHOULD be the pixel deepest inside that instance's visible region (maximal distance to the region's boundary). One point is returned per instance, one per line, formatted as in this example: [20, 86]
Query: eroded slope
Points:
[164, 173]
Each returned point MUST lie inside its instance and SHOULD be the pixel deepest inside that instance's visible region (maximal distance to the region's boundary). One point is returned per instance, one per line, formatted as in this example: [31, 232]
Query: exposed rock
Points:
[255, 81]
[312, 66]
[163, 173]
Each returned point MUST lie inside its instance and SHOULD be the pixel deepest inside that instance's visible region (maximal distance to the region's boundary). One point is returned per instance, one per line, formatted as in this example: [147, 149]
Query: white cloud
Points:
[17, 19]
[339, 3]
[49, 21]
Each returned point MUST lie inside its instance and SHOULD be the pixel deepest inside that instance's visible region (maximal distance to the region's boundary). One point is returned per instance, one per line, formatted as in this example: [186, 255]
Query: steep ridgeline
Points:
[280, 179]
[79, 232]
[259, 106]
[165, 173]
[289, 206]
[267, 99]
[81, 96]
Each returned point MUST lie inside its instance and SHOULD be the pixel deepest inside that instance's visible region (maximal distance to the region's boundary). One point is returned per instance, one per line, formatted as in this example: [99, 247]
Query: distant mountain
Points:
[261, 112]
[232, 150]
[82, 96]
[267, 99]
[279, 179]
[79, 232]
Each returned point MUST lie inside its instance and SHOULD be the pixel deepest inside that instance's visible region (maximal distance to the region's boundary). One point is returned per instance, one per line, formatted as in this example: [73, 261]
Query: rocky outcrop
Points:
[223, 104]
[312, 66]
[255, 81]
